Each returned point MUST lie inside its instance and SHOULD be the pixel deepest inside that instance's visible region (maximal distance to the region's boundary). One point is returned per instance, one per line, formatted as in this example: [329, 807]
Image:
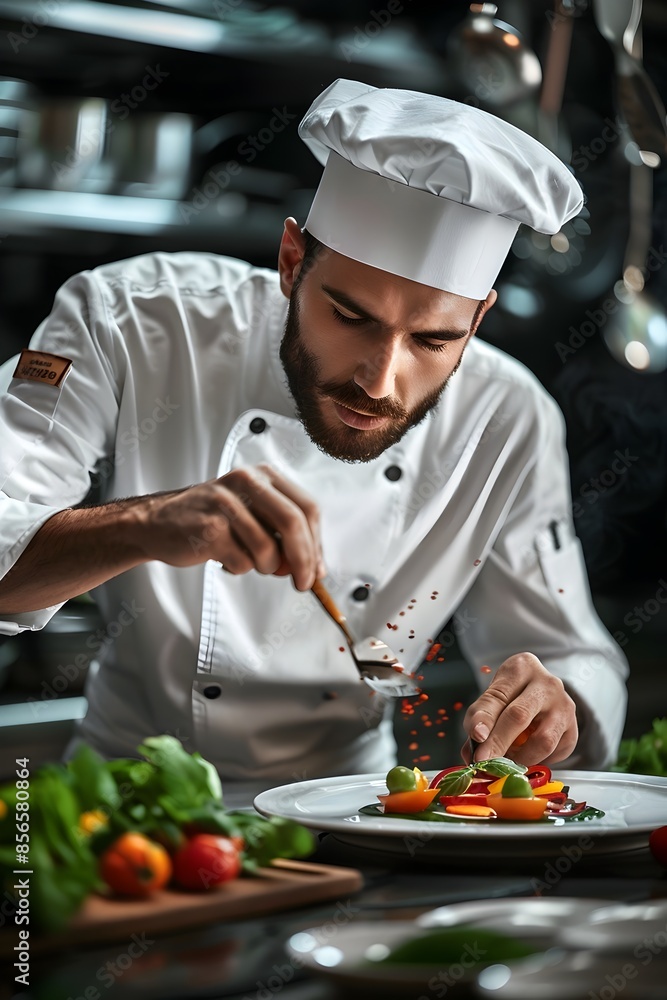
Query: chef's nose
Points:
[376, 374]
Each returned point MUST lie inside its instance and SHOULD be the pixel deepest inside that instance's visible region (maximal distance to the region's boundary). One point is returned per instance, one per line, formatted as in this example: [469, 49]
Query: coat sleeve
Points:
[53, 439]
[533, 595]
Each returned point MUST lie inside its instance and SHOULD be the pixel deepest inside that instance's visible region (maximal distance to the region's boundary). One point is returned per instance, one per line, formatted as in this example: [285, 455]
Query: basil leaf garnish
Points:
[457, 782]
[499, 766]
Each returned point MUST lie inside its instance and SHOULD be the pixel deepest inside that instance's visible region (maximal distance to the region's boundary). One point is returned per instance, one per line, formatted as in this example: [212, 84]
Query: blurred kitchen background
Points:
[139, 126]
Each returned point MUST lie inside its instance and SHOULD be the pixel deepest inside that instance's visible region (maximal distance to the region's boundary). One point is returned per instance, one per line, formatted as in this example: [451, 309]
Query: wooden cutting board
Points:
[284, 885]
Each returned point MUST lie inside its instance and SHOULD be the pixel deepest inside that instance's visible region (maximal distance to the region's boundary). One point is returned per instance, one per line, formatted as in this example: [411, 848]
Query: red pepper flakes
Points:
[442, 711]
[413, 732]
[440, 734]
[440, 659]
[433, 651]
[341, 649]
[386, 656]
[422, 697]
[401, 613]
[389, 625]
[427, 724]
[424, 717]
[560, 590]
[425, 756]
[435, 592]
[433, 598]
[477, 562]
[485, 670]
[420, 677]
[401, 650]
[458, 705]
[399, 667]
[413, 746]
[367, 585]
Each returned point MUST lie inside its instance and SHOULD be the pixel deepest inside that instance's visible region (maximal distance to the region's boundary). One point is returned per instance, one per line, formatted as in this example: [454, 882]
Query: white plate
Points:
[572, 975]
[342, 953]
[634, 805]
[640, 929]
[539, 919]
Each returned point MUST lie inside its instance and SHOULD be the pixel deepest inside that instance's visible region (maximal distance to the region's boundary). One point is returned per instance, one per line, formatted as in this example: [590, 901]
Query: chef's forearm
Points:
[73, 552]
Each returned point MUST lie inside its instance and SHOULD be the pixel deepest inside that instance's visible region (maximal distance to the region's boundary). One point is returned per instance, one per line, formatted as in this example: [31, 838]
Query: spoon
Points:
[376, 663]
[638, 101]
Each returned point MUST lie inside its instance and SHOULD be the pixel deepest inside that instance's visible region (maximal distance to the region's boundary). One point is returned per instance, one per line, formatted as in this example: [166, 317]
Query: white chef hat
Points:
[429, 188]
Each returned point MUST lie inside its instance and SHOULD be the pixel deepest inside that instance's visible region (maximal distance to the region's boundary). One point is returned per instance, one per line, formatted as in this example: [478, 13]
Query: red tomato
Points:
[658, 844]
[206, 860]
[463, 800]
[433, 783]
[134, 865]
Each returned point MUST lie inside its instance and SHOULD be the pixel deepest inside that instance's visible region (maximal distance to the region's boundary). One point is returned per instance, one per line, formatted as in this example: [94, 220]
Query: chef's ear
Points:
[482, 309]
[290, 255]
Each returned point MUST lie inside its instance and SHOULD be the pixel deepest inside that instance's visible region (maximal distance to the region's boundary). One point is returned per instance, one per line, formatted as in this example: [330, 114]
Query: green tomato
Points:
[517, 787]
[401, 779]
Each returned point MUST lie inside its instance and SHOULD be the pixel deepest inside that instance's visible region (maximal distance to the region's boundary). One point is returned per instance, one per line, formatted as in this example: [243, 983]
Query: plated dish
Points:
[633, 805]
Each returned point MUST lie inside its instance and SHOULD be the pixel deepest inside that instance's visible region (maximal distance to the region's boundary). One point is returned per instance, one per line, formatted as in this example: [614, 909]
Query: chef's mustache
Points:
[351, 395]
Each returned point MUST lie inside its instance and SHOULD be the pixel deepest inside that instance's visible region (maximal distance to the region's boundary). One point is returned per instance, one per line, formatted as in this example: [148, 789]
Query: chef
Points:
[196, 440]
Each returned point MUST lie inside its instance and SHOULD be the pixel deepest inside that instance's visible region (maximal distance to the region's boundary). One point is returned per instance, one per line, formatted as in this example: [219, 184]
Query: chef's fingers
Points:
[566, 745]
[285, 510]
[247, 544]
[524, 698]
[307, 504]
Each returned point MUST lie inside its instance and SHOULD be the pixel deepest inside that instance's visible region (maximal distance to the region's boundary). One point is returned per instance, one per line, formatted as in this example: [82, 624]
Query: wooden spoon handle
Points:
[331, 608]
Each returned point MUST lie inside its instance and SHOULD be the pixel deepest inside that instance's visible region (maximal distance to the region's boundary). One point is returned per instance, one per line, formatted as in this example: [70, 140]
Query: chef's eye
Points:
[346, 319]
[440, 346]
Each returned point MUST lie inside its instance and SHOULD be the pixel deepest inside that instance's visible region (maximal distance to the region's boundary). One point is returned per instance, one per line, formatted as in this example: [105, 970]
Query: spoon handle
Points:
[331, 608]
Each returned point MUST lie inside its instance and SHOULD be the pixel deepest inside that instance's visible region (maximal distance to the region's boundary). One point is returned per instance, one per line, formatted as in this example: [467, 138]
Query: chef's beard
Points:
[346, 443]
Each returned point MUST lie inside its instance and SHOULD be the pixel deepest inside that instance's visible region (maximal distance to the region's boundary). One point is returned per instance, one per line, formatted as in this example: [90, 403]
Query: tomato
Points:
[206, 860]
[401, 779]
[517, 808]
[408, 802]
[135, 866]
[658, 844]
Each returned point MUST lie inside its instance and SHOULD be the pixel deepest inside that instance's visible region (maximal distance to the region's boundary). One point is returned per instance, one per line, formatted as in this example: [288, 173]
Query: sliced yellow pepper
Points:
[496, 786]
[421, 779]
[549, 788]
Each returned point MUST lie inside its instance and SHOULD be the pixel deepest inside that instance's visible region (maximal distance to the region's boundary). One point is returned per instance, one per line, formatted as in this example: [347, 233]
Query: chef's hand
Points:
[251, 518]
[523, 697]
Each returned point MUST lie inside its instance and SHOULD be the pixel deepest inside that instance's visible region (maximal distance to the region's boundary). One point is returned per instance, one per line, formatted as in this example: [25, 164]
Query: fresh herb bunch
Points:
[167, 795]
[647, 754]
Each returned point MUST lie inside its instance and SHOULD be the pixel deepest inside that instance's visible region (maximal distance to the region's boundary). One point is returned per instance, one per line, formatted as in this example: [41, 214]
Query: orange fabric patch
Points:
[50, 369]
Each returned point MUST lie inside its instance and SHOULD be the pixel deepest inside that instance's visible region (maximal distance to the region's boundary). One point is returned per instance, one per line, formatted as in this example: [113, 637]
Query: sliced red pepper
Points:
[569, 810]
[462, 800]
[556, 800]
[538, 774]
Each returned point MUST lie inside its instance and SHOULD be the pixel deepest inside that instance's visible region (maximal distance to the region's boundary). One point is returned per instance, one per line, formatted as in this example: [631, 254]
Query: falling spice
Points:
[413, 732]
[425, 756]
[401, 613]
[440, 734]
[440, 659]
[560, 590]
[442, 711]
[413, 746]
[457, 706]
[477, 562]
[433, 651]
[341, 649]
[485, 670]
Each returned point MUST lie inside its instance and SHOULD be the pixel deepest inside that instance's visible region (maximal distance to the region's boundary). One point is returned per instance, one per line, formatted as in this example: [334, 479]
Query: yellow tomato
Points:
[92, 820]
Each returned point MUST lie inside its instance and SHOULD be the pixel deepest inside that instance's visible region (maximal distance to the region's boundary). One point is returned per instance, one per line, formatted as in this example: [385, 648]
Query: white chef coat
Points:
[176, 379]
